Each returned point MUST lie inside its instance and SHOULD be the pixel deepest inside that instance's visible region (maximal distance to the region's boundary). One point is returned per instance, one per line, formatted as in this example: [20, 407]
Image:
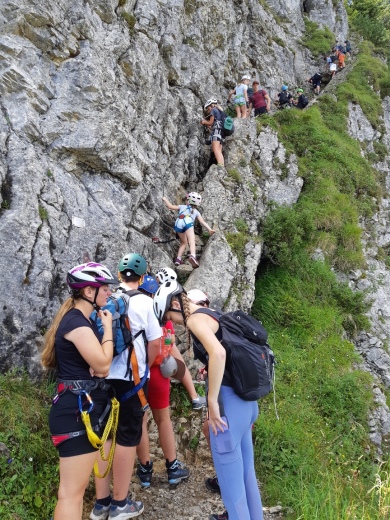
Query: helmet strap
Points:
[182, 309]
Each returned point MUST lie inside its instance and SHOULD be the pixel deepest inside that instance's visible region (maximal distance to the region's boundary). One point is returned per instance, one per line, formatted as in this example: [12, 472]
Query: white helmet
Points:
[163, 298]
[198, 297]
[166, 274]
[194, 198]
[168, 366]
[245, 76]
[211, 101]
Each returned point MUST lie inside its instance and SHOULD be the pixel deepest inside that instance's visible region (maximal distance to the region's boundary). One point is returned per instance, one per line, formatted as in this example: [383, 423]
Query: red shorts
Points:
[159, 389]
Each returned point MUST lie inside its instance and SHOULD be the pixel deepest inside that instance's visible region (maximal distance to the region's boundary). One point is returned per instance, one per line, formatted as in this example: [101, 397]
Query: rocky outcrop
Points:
[375, 279]
[99, 118]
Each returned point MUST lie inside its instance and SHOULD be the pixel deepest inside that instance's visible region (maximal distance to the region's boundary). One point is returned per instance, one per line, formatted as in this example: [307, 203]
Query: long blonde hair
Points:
[183, 299]
[48, 356]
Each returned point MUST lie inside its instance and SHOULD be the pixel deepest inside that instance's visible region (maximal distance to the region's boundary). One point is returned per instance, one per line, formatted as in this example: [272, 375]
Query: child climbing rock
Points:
[184, 226]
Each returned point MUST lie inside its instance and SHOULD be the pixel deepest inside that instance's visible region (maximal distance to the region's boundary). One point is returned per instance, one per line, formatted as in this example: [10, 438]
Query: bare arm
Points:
[231, 94]
[98, 356]
[208, 122]
[268, 99]
[204, 328]
[153, 350]
[205, 225]
[169, 205]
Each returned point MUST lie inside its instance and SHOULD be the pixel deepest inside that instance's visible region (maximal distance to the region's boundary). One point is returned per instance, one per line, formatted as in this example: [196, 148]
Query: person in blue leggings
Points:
[230, 417]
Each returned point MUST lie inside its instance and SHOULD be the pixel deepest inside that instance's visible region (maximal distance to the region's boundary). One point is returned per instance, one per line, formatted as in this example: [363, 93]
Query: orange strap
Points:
[137, 379]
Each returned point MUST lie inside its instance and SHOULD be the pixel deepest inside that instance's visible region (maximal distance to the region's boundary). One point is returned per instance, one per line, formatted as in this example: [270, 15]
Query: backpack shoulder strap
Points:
[210, 312]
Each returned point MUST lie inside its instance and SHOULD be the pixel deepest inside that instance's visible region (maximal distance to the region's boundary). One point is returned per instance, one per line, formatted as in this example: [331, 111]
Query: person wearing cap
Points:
[259, 100]
[240, 97]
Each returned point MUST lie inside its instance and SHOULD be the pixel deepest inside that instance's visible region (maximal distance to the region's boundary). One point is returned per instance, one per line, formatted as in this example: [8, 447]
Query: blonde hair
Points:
[48, 356]
[185, 304]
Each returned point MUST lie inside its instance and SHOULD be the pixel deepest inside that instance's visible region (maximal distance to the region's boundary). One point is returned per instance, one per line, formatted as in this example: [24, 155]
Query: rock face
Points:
[99, 118]
[375, 280]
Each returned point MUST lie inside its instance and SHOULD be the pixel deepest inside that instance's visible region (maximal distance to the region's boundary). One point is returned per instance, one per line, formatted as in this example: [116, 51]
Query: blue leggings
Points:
[234, 460]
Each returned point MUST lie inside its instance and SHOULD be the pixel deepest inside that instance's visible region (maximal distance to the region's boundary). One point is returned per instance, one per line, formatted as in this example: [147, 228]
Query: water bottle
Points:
[168, 337]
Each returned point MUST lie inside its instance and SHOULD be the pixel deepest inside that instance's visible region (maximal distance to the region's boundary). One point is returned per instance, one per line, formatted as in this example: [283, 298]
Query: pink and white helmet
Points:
[194, 198]
[90, 274]
[198, 297]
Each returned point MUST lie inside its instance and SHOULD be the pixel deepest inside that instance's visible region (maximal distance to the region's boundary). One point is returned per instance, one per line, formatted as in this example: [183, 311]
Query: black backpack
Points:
[249, 359]
[304, 101]
[283, 97]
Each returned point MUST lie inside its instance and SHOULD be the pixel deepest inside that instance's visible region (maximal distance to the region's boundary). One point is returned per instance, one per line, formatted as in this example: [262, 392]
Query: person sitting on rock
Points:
[284, 98]
[302, 100]
[184, 226]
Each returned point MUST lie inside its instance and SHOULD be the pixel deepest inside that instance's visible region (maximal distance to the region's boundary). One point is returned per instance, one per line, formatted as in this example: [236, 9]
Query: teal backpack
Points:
[227, 124]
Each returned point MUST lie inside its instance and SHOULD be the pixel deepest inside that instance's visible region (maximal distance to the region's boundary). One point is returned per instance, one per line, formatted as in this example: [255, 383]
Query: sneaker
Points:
[178, 261]
[223, 516]
[99, 512]
[193, 261]
[199, 403]
[130, 510]
[144, 473]
[176, 472]
[212, 484]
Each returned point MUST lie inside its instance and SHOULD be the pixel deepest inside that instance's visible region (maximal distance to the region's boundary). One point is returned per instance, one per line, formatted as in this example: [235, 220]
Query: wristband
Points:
[105, 341]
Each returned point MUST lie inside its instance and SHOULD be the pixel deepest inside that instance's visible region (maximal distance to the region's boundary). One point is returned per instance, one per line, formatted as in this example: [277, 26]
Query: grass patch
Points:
[318, 41]
[28, 470]
[235, 175]
[43, 213]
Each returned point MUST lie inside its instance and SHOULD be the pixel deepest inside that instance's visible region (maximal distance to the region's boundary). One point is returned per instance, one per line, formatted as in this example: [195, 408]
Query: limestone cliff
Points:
[100, 108]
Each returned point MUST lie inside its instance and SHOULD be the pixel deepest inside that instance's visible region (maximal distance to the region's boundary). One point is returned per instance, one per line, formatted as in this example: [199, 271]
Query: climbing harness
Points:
[81, 388]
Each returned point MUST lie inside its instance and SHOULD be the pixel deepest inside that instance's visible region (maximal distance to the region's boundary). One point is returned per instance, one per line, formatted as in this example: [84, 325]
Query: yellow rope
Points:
[98, 443]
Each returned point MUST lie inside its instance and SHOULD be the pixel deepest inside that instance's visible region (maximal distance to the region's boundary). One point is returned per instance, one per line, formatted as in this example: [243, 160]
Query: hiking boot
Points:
[99, 512]
[223, 516]
[193, 261]
[199, 403]
[130, 510]
[176, 472]
[144, 473]
[212, 484]
[178, 261]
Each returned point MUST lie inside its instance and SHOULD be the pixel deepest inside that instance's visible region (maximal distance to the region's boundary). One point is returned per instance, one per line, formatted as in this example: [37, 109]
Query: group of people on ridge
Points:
[100, 391]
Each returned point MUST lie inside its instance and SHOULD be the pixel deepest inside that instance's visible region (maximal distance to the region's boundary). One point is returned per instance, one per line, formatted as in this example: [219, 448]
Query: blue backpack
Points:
[118, 305]
[227, 124]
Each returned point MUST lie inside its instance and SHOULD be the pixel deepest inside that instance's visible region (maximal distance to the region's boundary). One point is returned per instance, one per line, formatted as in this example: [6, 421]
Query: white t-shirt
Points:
[189, 211]
[142, 317]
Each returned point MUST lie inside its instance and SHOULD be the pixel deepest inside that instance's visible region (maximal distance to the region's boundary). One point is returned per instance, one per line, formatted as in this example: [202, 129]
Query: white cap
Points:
[245, 76]
[196, 295]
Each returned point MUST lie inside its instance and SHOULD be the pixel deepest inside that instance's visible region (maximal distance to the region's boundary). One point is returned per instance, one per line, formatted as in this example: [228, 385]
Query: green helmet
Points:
[299, 90]
[133, 262]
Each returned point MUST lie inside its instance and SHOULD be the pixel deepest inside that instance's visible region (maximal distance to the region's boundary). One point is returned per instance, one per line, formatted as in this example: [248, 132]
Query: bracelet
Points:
[105, 341]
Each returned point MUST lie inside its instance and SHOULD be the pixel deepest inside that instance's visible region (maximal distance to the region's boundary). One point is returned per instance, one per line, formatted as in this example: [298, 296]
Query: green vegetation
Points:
[317, 459]
[5, 204]
[234, 174]
[237, 242]
[372, 19]
[43, 213]
[131, 20]
[317, 40]
[28, 472]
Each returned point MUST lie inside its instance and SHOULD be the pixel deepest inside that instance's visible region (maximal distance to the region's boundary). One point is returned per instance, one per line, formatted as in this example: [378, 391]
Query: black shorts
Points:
[131, 415]
[260, 110]
[65, 418]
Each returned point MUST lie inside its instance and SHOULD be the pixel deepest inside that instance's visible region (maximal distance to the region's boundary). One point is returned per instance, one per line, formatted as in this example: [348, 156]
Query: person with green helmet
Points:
[146, 333]
[302, 100]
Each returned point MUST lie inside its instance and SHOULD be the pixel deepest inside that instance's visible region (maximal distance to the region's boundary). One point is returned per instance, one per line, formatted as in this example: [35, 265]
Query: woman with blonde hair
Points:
[73, 347]
[241, 97]
[230, 417]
